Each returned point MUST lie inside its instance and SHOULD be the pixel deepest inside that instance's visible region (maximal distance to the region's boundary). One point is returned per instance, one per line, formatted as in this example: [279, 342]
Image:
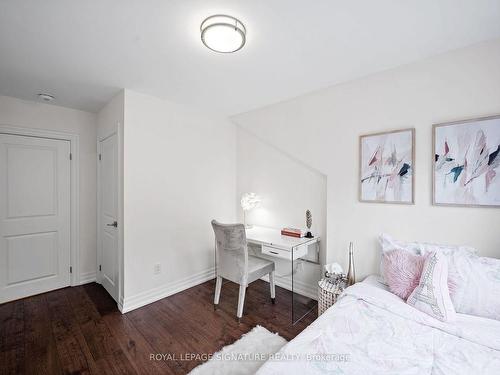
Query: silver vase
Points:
[351, 273]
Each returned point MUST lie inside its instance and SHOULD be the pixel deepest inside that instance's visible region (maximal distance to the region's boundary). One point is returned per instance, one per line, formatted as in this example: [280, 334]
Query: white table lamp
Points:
[249, 201]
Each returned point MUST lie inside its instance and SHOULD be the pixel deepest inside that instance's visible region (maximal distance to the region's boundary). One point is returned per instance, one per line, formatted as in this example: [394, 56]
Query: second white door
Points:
[34, 215]
[108, 212]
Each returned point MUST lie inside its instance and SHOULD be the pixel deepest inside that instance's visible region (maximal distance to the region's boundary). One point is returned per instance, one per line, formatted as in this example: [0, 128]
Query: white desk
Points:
[274, 244]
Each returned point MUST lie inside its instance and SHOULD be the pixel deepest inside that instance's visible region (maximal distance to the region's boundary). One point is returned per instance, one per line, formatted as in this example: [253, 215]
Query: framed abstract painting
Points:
[387, 166]
[467, 163]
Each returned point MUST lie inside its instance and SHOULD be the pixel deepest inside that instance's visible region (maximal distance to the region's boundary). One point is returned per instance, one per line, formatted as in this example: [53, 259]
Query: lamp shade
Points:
[250, 201]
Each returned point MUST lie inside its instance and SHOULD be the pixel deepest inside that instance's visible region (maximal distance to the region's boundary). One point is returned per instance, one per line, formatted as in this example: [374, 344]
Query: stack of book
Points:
[293, 232]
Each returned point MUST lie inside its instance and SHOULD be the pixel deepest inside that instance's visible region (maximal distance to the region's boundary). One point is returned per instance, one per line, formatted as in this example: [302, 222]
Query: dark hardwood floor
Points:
[80, 330]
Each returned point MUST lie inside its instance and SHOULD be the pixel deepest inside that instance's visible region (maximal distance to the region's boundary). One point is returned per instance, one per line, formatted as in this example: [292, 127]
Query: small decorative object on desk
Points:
[309, 221]
[329, 290]
[292, 232]
[351, 274]
[249, 201]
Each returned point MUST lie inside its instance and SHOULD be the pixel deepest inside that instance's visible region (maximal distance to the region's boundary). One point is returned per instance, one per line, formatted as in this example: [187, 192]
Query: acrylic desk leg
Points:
[293, 294]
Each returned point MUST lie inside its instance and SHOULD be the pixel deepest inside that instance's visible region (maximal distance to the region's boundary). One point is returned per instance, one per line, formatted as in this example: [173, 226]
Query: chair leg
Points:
[218, 287]
[241, 301]
[273, 289]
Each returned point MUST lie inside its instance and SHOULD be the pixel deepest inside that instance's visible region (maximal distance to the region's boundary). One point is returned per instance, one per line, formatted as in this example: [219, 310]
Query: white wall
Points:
[288, 188]
[322, 129]
[27, 114]
[179, 174]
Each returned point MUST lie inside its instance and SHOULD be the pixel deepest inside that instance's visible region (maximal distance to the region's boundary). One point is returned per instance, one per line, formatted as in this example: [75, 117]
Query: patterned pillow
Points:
[432, 296]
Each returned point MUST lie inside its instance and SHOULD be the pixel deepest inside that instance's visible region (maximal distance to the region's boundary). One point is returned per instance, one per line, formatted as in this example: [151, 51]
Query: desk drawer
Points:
[284, 254]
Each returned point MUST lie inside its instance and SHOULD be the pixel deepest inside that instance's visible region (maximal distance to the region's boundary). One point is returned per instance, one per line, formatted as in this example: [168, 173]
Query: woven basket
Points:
[328, 293]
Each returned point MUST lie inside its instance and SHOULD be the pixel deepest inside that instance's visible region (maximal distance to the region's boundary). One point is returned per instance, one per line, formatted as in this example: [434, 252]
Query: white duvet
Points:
[372, 331]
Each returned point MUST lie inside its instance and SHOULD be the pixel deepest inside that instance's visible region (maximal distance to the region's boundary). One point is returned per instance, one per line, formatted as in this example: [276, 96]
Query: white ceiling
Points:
[83, 52]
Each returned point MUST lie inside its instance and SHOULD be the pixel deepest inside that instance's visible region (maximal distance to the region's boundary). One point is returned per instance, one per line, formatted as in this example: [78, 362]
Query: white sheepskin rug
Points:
[245, 356]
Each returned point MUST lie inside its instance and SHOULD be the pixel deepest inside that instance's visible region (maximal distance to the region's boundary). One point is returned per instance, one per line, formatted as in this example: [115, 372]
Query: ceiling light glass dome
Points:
[222, 33]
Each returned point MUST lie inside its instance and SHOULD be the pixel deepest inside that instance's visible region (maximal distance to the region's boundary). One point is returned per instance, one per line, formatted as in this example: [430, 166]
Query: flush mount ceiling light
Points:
[46, 97]
[222, 33]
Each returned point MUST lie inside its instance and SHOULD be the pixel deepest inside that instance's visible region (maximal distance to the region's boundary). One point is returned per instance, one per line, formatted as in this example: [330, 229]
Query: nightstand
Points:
[328, 293]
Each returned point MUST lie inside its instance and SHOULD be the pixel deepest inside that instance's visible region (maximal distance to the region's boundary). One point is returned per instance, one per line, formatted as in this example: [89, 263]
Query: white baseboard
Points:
[87, 277]
[145, 298]
[299, 287]
[120, 304]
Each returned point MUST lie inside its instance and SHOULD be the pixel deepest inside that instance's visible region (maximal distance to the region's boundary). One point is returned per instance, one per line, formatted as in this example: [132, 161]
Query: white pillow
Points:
[387, 243]
[477, 290]
[420, 248]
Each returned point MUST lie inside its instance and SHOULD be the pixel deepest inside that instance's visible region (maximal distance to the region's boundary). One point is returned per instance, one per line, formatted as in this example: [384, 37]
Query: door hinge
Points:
[70, 269]
[70, 156]
[100, 268]
[100, 157]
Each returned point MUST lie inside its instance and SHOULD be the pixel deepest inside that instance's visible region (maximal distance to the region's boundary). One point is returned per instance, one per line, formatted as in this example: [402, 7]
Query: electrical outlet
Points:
[157, 269]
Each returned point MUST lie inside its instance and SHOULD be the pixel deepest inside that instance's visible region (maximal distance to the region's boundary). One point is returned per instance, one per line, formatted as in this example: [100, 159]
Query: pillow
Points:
[478, 285]
[431, 296]
[387, 243]
[402, 271]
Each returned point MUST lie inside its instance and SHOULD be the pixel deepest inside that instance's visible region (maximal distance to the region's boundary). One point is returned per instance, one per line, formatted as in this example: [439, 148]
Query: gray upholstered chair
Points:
[233, 262]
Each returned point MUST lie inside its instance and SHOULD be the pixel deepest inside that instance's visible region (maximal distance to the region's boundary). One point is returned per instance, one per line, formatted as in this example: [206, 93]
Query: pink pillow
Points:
[432, 296]
[402, 271]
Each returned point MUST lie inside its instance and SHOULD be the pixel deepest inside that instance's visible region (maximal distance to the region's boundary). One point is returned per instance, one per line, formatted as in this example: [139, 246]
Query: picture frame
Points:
[458, 144]
[387, 167]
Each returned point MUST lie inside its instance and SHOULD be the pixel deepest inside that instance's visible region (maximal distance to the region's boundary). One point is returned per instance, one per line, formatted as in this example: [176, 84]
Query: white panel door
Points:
[34, 215]
[108, 231]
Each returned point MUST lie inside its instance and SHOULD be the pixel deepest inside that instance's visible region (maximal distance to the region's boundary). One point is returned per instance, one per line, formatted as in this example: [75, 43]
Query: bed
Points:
[372, 331]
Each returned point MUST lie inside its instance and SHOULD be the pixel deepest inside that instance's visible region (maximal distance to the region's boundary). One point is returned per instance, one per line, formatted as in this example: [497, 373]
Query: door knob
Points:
[113, 224]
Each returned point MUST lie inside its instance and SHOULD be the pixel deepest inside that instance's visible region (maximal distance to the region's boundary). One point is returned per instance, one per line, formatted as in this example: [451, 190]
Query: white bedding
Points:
[372, 331]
